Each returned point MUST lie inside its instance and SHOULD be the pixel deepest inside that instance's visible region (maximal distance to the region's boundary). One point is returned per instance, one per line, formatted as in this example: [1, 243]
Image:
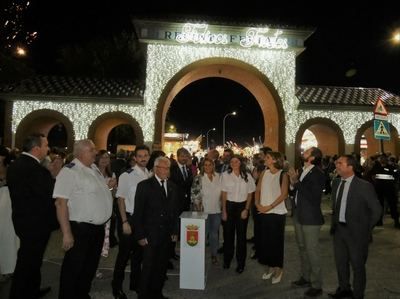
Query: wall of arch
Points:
[374, 146]
[240, 72]
[102, 126]
[328, 134]
[42, 121]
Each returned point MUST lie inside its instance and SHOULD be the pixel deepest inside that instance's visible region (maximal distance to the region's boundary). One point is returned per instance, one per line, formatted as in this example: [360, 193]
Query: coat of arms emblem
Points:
[192, 234]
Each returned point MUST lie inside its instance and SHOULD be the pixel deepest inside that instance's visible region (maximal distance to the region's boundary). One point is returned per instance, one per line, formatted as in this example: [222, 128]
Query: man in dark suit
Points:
[182, 176]
[156, 224]
[307, 219]
[33, 215]
[356, 210]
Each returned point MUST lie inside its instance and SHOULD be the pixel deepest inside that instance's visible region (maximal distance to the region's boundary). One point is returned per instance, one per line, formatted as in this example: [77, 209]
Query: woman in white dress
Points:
[272, 190]
[9, 242]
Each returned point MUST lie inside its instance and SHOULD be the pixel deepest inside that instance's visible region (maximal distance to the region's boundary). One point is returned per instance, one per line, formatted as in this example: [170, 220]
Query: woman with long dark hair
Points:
[237, 188]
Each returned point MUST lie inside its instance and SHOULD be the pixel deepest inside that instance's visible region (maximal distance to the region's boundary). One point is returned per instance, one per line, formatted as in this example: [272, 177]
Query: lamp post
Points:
[223, 126]
[213, 129]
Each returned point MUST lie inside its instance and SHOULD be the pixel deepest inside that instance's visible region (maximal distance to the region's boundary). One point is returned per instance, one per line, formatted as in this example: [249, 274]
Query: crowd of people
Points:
[134, 200]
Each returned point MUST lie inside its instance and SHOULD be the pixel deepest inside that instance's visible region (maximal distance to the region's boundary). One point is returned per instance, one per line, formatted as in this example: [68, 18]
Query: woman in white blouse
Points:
[206, 197]
[237, 188]
[272, 190]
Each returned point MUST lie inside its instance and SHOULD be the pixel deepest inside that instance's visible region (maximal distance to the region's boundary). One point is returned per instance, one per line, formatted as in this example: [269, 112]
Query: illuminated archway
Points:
[248, 76]
[102, 126]
[42, 121]
[328, 134]
[374, 147]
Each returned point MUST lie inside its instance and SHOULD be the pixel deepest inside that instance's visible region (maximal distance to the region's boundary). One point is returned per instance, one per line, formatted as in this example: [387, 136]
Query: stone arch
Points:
[374, 147]
[328, 134]
[42, 121]
[246, 75]
[102, 126]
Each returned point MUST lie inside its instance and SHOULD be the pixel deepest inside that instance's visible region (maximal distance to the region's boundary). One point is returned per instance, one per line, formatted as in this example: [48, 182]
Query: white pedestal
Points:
[192, 254]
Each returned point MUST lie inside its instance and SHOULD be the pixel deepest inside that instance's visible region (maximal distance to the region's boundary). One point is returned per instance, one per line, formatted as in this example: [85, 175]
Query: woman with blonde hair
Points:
[272, 190]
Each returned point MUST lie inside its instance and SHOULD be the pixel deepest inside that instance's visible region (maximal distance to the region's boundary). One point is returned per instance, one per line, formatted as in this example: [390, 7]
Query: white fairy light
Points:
[165, 61]
[82, 115]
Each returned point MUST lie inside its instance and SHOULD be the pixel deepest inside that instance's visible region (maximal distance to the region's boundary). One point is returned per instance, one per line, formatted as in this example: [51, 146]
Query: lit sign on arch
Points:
[254, 37]
[204, 34]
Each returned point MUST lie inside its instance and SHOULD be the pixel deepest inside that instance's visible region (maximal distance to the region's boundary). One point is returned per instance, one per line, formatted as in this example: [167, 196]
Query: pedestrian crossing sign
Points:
[381, 129]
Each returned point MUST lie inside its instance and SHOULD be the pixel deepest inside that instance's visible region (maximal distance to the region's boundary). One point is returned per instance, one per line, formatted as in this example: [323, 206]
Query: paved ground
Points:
[383, 278]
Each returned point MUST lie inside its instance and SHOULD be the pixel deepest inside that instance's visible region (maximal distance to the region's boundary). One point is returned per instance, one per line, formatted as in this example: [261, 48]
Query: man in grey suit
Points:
[356, 210]
[307, 219]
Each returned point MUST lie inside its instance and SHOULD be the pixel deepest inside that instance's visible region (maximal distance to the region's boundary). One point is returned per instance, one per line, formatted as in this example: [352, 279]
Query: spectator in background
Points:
[258, 168]
[153, 156]
[56, 164]
[103, 163]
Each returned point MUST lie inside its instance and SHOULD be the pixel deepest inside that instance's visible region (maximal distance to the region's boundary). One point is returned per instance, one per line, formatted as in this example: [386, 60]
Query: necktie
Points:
[339, 200]
[184, 173]
[163, 188]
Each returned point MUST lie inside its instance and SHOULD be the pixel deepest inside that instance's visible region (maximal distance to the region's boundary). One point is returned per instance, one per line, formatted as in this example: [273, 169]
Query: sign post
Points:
[381, 124]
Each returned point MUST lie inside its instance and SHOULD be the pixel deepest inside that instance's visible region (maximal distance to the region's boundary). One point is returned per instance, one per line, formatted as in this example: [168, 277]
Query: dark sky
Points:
[350, 47]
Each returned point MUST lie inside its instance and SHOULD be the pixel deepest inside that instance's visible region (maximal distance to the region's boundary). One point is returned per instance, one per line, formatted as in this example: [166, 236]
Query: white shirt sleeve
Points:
[64, 185]
[251, 185]
[224, 180]
[123, 186]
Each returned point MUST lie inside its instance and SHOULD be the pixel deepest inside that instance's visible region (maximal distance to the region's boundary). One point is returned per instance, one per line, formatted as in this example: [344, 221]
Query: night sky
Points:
[350, 47]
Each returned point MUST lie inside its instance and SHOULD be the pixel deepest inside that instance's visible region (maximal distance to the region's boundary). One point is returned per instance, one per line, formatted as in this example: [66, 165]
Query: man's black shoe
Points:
[301, 283]
[239, 270]
[119, 294]
[340, 293]
[133, 287]
[312, 292]
[43, 292]
[251, 240]
[175, 257]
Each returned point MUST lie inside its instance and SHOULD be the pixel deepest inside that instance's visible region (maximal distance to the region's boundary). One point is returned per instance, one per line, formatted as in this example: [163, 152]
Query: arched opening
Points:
[210, 117]
[100, 129]
[57, 136]
[122, 135]
[308, 140]
[365, 134]
[47, 122]
[245, 75]
[328, 135]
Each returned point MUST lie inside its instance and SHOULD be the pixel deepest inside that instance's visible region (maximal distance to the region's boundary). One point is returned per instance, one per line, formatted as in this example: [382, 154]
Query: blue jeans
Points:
[212, 229]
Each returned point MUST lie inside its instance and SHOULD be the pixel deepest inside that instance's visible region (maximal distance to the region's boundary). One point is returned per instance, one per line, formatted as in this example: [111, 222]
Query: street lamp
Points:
[223, 126]
[213, 129]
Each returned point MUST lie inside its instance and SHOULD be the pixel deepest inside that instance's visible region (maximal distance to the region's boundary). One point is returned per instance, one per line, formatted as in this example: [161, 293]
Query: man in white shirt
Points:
[84, 205]
[128, 247]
